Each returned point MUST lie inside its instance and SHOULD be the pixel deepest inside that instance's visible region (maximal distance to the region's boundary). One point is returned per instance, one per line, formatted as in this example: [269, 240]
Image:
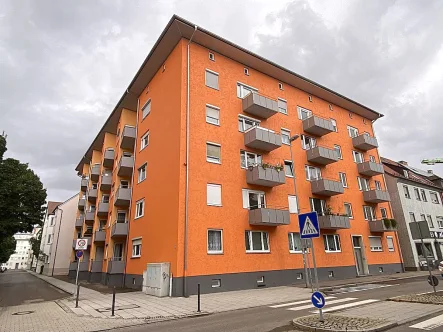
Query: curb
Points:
[383, 327]
[36, 275]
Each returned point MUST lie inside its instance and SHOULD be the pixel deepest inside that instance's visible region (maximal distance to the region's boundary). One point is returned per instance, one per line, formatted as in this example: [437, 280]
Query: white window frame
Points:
[337, 149]
[391, 249]
[350, 209]
[214, 108]
[285, 133]
[134, 245]
[343, 179]
[243, 119]
[246, 71]
[214, 252]
[292, 248]
[376, 248]
[406, 192]
[144, 142]
[352, 131]
[334, 125]
[434, 201]
[244, 154]
[384, 214]
[423, 195]
[49, 239]
[251, 250]
[210, 159]
[280, 86]
[211, 56]
[285, 103]
[139, 178]
[336, 240]
[377, 185]
[293, 204]
[417, 194]
[302, 109]
[146, 106]
[360, 182]
[206, 79]
[308, 142]
[139, 212]
[369, 216]
[430, 221]
[372, 158]
[213, 185]
[241, 86]
[358, 156]
[261, 198]
[439, 221]
[291, 165]
[308, 174]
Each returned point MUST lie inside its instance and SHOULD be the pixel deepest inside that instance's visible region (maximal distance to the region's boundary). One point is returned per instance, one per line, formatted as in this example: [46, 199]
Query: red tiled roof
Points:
[52, 206]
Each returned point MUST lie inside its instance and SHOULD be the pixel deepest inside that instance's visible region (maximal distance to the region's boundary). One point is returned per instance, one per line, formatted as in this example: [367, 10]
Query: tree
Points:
[22, 198]
[7, 248]
[35, 245]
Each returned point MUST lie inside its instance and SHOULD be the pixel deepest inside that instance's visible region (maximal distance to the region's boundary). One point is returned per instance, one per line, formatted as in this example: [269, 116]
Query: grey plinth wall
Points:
[268, 217]
[326, 187]
[262, 139]
[378, 226]
[376, 196]
[334, 222]
[365, 142]
[317, 126]
[95, 172]
[106, 182]
[125, 166]
[128, 138]
[119, 230]
[321, 155]
[100, 236]
[103, 209]
[116, 267]
[370, 168]
[268, 177]
[108, 158]
[260, 106]
[123, 197]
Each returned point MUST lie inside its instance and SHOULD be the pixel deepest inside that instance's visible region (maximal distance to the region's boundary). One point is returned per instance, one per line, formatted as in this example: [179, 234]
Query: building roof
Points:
[179, 28]
[52, 206]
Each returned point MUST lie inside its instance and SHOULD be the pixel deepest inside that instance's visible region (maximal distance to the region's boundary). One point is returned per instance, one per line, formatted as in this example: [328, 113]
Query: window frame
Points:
[376, 248]
[145, 172]
[350, 208]
[417, 194]
[215, 185]
[385, 213]
[261, 198]
[208, 159]
[138, 210]
[342, 176]
[423, 195]
[244, 154]
[337, 149]
[241, 85]
[214, 252]
[291, 165]
[142, 140]
[285, 102]
[145, 105]
[354, 157]
[292, 250]
[336, 240]
[208, 71]
[373, 213]
[308, 167]
[361, 180]
[251, 246]
[308, 146]
[439, 221]
[436, 201]
[215, 108]
[334, 125]
[302, 109]
[406, 192]
[430, 221]
[296, 204]
[352, 129]
[390, 249]
[139, 245]
[244, 118]
[285, 133]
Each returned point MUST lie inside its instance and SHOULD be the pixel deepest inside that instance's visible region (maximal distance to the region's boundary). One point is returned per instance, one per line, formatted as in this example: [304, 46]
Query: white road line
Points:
[298, 302]
[429, 324]
[347, 305]
[309, 306]
[361, 289]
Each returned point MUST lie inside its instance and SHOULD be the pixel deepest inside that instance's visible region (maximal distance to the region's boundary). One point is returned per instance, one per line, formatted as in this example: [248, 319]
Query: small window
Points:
[245, 123]
[213, 194]
[282, 106]
[353, 132]
[390, 241]
[261, 280]
[136, 248]
[142, 173]
[280, 86]
[303, 113]
[308, 142]
[52, 219]
[127, 154]
[380, 269]
[146, 109]
[350, 115]
[213, 152]
[144, 141]
[337, 149]
[377, 185]
[49, 238]
[363, 184]
[285, 136]
[434, 198]
[299, 276]
[430, 222]
[124, 184]
[372, 159]
[412, 216]
[384, 213]
[417, 194]
[294, 242]
[246, 71]
[406, 191]
[348, 210]
[332, 243]
[310, 99]
[211, 56]
[423, 195]
[369, 213]
[440, 222]
[216, 283]
[358, 157]
[105, 198]
[256, 241]
[211, 79]
[330, 107]
[289, 169]
[212, 115]
[249, 159]
[375, 243]
[330, 274]
[243, 90]
[293, 205]
[343, 179]
[312, 173]
[334, 125]
[215, 241]
[139, 208]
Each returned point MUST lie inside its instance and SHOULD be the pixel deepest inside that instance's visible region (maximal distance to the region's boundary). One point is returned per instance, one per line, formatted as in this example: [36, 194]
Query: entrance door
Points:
[359, 260]
[16, 266]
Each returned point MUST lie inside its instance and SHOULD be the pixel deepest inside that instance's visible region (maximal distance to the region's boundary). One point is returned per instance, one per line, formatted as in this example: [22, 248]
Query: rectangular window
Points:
[430, 222]
[353, 132]
[243, 90]
[142, 173]
[406, 191]
[294, 242]
[49, 238]
[51, 218]
[348, 210]
[312, 173]
[343, 179]
[285, 136]
[332, 243]
[212, 115]
[105, 198]
[417, 194]
[249, 159]
[390, 241]
[303, 113]
[384, 213]
[337, 149]
[369, 213]
[256, 241]
[412, 216]
[211, 79]
[428, 249]
[434, 198]
[213, 194]
[136, 248]
[440, 222]
[146, 109]
[377, 185]
[334, 125]
[363, 184]
[422, 217]
[124, 184]
[144, 141]
[253, 199]
[289, 169]
[293, 205]
[318, 205]
[358, 157]
[216, 283]
[372, 158]
[245, 123]
[282, 106]
[213, 153]
[423, 195]
[375, 243]
[215, 241]
[139, 208]
[307, 142]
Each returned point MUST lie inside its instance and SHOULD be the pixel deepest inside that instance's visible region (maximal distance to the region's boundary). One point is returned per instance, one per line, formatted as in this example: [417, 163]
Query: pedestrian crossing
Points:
[429, 324]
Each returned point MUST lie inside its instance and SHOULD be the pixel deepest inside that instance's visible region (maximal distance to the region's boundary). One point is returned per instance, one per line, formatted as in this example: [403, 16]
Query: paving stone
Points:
[335, 322]
[429, 298]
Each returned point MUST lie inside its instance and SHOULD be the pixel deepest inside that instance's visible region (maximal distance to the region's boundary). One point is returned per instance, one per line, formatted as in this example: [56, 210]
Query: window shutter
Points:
[214, 194]
[212, 112]
[211, 80]
[390, 241]
[292, 200]
[136, 242]
[375, 243]
[245, 195]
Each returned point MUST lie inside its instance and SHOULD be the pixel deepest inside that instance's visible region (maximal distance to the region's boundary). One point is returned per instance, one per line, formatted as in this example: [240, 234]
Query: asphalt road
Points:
[19, 287]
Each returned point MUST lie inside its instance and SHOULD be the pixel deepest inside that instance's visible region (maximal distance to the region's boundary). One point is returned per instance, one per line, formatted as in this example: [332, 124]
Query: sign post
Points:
[309, 229]
[78, 254]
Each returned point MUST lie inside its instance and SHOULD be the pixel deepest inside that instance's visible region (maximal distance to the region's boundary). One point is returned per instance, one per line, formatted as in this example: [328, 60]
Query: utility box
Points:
[156, 279]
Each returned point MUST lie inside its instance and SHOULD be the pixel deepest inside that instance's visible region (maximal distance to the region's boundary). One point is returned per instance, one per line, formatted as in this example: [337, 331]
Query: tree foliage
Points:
[7, 248]
[35, 243]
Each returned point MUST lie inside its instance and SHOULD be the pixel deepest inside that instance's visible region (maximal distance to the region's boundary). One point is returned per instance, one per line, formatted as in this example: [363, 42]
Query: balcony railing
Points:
[106, 183]
[95, 172]
[322, 155]
[92, 195]
[318, 126]
[376, 196]
[99, 236]
[334, 222]
[108, 158]
[81, 204]
[82, 267]
[89, 217]
[103, 209]
[128, 138]
[116, 265]
[119, 230]
[369, 168]
[122, 197]
[365, 142]
[265, 176]
[379, 226]
[84, 184]
[326, 187]
[268, 216]
[125, 166]
[262, 139]
[259, 105]
[96, 265]
[79, 221]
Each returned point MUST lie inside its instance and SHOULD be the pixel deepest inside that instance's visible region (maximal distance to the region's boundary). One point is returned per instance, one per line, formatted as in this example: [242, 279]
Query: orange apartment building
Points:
[193, 168]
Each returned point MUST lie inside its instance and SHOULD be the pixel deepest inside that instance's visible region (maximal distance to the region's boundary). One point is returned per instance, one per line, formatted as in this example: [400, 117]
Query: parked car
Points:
[440, 268]
[3, 268]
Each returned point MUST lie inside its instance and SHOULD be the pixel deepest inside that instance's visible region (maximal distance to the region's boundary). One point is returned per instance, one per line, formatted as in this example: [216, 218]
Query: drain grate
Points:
[21, 313]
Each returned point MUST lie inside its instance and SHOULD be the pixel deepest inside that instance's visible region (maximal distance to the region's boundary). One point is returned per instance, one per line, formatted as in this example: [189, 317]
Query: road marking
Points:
[429, 324]
[347, 305]
[298, 302]
[309, 306]
[358, 288]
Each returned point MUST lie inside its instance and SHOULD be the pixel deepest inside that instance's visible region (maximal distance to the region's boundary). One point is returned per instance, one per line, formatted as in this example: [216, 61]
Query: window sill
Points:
[136, 256]
[213, 161]
[135, 218]
[214, 124]
[295, 252]
[216, 205]
[258, 251]
[391, 250]
[212, 88]
[283, 143]
[376, 250]
[215, 252]
[289, 176]
[332, 252]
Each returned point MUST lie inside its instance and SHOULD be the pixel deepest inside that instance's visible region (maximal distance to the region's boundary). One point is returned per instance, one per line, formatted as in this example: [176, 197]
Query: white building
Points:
[416, 195]
[22, 257]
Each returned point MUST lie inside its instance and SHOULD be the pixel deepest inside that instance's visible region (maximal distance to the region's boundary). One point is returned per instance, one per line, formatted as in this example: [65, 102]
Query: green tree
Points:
[22, 197]
[7, 248]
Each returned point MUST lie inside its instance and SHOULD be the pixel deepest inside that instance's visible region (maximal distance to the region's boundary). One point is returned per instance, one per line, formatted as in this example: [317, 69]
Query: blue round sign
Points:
[79, 253]
[318, 300]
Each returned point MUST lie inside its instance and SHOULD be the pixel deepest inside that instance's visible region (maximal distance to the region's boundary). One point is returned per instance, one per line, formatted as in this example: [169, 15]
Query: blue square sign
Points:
[308, 223]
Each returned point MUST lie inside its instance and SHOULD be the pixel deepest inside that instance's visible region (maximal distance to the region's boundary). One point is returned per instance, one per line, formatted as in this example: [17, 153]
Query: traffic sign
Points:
[308, 223]
[81, 244]
[432, 280]
[79, 254]
[318, 300]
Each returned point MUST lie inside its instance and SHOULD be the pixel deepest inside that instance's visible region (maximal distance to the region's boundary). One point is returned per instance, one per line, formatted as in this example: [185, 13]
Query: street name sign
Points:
[308, 223]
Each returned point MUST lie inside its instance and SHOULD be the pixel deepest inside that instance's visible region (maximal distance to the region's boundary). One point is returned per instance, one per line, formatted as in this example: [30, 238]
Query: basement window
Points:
[299, 276]
[261, 281]
[216, 283]
[331, 274]
[380, 269]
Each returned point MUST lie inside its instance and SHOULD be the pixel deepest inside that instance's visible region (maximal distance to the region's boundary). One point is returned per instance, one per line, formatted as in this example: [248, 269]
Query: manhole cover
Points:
[20, 313]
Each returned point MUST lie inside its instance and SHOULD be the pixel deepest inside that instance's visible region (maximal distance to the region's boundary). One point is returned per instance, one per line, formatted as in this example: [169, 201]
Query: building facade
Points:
[416, 196]
[47, 234]
[21, 259]
[193, 168]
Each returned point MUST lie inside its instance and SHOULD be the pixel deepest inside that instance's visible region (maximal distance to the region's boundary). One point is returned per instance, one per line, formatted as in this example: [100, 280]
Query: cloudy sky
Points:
[65, 64]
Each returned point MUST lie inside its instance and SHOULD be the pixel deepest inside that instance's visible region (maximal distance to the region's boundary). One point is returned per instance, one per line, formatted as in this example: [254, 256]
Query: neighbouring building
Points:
[47, 232]
[416, 195]
[21, 259]
[193, 168]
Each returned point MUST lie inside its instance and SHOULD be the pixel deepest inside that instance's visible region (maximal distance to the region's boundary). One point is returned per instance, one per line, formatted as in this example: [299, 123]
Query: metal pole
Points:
[198, 298]
[309, 269]
[76, 277]
[113, 301]
[76, 299]
[423, 249]
[316, 277]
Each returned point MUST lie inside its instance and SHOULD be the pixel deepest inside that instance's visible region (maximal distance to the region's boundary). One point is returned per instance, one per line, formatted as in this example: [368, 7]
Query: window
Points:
[348, 210]
[428, 249]
[285, 136]
[353, 132]
[289, 169]
[334, 124]
[136, 247]
[127, 154]
[282, 106]
[343, 179]
[212, 115]
[211, 56]
[139, 208]
[256, 241]
[375, 243]
[430, 222]
[215, 241]
[144, 141]
[213, 194]
[332, 243]
[310, 99]
[337, 149]
[49, 238]
[422, 217]
[377, 185]
[51, 218]
[406, 174]
[417, 194]
[423, 195]
[303, 113]
[384, 213]
[434, 197]
[243, 90]
[249, 159]
[292, 203]
[406, 192]
[121, 216]
[213, 153]
[124, 184]
[318, 205]
[330, 107]
[372, 158]
[146, 109]
[390, 241]
[211, 79]
[280, 86]
[412, 216]
[440, 222]
[294, 242]
[363, 184]
[142, 173]
[216, 283]
[105, 198]
[245, 123]
[253, 199]
[369, 212]
[308, 142]
[358, 157]
[246, 71]
[312, 173]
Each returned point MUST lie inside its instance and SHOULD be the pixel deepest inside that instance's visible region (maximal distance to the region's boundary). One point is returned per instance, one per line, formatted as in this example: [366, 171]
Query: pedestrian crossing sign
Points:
[308, 223]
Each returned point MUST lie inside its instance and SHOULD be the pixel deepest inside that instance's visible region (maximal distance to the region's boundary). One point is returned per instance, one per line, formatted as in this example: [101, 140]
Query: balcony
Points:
[259, 105]
[268, 217]
[108, 158]
[268, 177]
[116, 266]
[322, 156]
[96, 266]
[318, 126]
[376, 196]
[103, 209]
[81, 204]
[334, 222]
[325, 187]
[92, 195]
[95, 172]
[365, 142]
[369, 168]
[379, 226]
[128, 138]
[106, 183]
[100, 236]
[89, 217]
[122, 197]
[119, 230]
[79, 221]
[84, 184]
[125, 166]
[83, 267]
[262, 139]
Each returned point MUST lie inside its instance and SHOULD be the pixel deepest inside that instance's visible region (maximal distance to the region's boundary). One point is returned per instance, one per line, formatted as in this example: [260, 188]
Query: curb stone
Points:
[382, 327]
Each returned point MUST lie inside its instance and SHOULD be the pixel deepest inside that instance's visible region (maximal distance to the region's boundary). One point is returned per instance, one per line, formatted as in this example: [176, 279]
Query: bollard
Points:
[198, 298]
[76, 298]
[113, 301]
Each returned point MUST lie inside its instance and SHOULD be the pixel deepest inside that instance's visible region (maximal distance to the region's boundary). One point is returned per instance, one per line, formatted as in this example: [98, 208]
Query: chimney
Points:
[430, 171]
[403, 162]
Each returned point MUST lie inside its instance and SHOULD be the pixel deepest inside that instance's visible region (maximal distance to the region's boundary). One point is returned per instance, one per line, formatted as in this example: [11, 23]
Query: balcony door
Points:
[118, 252]
[121, 216]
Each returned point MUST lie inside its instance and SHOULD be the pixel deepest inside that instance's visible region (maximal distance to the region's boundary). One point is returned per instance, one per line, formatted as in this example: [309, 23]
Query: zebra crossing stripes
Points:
[347, 305]
[429, 324]
[298, 302]
[333, 305]
[309, 306]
